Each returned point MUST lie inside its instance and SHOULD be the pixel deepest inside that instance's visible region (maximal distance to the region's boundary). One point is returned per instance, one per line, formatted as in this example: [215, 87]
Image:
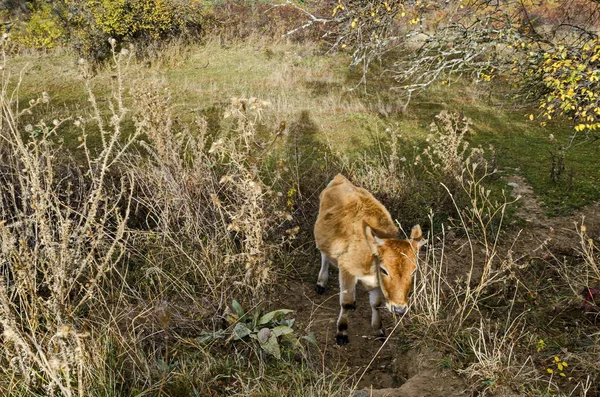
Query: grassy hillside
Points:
[300, 83]
[134, 215]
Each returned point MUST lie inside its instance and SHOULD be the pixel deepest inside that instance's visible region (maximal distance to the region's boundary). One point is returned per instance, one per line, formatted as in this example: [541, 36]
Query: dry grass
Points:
[61, 235]
[84, 279]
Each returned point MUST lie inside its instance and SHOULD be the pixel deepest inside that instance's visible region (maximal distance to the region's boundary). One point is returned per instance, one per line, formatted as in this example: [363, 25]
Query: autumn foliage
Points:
[551, 49]
[571, 78]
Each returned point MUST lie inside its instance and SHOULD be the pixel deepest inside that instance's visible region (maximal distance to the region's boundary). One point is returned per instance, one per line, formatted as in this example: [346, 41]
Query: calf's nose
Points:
[399, 310]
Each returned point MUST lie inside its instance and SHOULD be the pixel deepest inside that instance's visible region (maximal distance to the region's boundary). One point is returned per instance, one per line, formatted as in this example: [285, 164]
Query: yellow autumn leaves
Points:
[560, 367]
[571, 79]
[371, 17]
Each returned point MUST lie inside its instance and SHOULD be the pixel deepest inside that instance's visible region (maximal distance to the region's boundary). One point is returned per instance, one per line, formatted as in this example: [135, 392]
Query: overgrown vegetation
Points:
[141, 200]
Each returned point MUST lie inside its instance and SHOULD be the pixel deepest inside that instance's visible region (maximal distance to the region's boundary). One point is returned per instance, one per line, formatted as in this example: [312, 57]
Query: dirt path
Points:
[392, 370]
[560, 234]
[397, 370]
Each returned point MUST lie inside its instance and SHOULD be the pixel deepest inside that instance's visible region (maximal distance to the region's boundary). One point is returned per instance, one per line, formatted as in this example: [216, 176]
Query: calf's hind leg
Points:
[323, 275]
[347, 302]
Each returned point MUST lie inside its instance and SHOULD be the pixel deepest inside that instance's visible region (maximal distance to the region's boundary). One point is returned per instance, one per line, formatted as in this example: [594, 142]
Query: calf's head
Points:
[396, 261]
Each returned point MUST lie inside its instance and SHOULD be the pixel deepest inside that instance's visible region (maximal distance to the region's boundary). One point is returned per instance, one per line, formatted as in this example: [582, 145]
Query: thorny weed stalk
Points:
[177, 195]
[62, 232]
[454, 305]
[429, 282]
[481, 222]
[479, 215]
[255, 207]
[583, 282]
[445, 309]
[448, 151]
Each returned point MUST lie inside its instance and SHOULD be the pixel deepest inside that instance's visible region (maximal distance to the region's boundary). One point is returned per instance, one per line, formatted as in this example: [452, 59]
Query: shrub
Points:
[126, 18]
[91, 23]
[571, 79]
[42, 30]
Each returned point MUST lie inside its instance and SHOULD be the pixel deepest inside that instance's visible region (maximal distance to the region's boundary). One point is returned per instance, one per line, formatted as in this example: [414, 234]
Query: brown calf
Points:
[356, 233]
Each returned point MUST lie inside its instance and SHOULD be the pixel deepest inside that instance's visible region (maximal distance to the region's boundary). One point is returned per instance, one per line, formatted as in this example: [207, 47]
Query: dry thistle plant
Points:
[431, 284]
[255, 208]
[585, 277]
[62, 232]
[450, 312]
[480, 216]
[207, 197]
[448, 150]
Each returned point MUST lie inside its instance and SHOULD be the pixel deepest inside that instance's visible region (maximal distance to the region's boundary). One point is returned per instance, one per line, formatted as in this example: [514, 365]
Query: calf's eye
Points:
[383, 271]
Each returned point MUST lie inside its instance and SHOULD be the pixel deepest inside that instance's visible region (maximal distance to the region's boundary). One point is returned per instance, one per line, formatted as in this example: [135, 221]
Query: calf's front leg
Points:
[347, 302]
[376, 300]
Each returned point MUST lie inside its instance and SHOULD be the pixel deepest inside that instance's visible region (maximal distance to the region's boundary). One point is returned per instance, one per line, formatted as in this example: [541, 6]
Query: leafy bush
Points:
[126, 18]
[571, 79]
[89, 24]
[42, 30]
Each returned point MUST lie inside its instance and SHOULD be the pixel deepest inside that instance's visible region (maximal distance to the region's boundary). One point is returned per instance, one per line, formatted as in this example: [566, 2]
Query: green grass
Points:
[304, 86]
[529, 151]
[525, 148]
[522, 146]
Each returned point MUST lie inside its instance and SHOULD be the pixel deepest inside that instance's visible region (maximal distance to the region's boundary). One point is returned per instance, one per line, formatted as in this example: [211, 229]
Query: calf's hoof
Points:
[319, 290]
[342, 340]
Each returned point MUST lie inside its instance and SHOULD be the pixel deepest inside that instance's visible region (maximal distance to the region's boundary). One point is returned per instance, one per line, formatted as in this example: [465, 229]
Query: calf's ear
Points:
[416, 235]
[373, 241]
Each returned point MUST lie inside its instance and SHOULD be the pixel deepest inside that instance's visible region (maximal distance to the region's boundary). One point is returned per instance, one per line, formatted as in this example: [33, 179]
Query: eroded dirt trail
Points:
[317, 314]
[394, 370]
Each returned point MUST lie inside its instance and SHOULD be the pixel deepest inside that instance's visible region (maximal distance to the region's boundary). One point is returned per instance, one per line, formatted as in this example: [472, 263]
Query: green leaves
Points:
[570, 78]
[240, 331]
[269, 330]
[237, 308]
[273, 315]
[282, 330]
[268, 342]
[207, 337]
